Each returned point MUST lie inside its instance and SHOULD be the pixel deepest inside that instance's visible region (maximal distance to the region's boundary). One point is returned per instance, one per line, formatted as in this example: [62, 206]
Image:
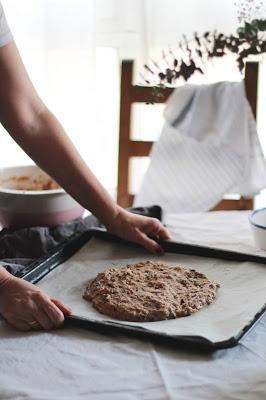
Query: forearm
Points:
[46, 142]
[42, 137]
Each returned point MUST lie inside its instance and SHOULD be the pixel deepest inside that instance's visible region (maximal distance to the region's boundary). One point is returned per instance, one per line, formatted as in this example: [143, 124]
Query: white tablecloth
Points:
[78, 364]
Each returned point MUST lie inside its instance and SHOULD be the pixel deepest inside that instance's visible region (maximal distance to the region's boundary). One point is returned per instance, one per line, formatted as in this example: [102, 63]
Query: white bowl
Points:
[257, 219]
[22, 207]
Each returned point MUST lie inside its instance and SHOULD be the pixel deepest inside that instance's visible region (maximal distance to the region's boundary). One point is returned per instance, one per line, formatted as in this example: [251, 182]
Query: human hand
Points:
[24, 306]
[139, 229]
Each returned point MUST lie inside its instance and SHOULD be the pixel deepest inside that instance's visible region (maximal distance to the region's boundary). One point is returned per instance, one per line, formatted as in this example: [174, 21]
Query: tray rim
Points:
[44, 265]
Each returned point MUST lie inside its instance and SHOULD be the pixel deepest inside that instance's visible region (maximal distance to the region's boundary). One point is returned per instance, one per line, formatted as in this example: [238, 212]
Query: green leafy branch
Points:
[191, 56]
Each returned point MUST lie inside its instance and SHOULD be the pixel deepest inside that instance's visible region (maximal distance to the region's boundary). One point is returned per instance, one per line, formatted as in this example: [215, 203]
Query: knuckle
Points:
[60, 317]
[56, 315]
[52, 309]
[58, 321]
[156, 223]
[38, 295]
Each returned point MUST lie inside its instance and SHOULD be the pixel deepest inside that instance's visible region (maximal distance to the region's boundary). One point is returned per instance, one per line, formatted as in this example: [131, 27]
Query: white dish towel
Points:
[209, 147]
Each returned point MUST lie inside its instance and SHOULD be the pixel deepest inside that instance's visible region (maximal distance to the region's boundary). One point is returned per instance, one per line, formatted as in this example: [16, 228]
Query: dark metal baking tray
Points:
[42, 267]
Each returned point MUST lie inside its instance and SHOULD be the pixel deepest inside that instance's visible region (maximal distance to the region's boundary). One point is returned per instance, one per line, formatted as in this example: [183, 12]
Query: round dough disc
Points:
[150, 291]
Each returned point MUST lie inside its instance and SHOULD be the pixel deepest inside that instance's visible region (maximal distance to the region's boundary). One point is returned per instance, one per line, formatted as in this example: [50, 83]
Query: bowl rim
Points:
[32, 192]
[29, 192]
[251, 215]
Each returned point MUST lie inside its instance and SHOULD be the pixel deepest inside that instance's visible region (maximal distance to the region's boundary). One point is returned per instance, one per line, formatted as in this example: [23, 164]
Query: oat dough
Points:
[150, 291]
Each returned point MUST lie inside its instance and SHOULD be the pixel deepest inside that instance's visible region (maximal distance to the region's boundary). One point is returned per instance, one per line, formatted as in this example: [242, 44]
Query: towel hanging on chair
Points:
[209, 147]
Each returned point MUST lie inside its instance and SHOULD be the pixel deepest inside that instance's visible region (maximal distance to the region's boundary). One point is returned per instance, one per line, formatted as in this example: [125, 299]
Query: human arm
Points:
[21, 303]
[42, 137]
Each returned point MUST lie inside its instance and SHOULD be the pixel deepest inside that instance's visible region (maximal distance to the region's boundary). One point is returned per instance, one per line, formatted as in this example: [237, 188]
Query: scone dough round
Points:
[150, 291]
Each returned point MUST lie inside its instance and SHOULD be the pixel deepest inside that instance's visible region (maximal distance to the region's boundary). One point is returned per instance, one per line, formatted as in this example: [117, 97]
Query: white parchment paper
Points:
[78, 364]
[241, 295]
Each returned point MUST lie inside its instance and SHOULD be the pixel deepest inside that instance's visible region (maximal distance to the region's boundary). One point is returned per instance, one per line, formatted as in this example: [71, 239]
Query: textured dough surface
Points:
[150, 291]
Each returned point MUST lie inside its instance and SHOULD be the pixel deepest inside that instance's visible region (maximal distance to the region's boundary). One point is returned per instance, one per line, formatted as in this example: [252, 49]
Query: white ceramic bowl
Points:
[257, 219]
[22, 207]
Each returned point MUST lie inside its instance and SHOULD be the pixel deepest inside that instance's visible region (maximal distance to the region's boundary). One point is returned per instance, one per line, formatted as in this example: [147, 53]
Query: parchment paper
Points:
[241, 295]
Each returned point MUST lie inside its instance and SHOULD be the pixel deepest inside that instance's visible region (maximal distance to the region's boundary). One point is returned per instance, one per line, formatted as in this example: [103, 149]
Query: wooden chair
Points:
[128, 148]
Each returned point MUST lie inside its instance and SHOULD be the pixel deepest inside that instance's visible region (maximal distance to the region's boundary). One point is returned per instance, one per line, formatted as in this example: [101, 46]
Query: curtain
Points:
[77, 79]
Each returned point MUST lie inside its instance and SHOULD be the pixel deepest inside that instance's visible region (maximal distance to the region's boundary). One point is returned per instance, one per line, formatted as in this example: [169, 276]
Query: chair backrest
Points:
[128, 147]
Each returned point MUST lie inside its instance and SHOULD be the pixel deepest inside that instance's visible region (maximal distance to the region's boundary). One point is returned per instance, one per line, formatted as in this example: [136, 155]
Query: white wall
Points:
[72, 49]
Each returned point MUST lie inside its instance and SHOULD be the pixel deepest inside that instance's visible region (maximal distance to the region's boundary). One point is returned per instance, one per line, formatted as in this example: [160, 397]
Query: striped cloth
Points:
[209, 147]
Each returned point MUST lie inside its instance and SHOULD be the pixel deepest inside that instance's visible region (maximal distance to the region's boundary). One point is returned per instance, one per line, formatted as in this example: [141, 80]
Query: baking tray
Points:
[42, 267]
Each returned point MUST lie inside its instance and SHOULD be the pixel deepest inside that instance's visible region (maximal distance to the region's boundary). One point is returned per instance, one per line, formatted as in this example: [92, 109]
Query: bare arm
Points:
[43, 138]
[38, 132]
[22, 303]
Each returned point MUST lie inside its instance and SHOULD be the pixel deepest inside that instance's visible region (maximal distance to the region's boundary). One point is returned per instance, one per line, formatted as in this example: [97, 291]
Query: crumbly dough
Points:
[150, 291]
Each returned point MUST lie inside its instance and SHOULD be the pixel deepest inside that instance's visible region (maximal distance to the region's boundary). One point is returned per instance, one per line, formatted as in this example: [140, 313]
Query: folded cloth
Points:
[20, 247]
[209, 147]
